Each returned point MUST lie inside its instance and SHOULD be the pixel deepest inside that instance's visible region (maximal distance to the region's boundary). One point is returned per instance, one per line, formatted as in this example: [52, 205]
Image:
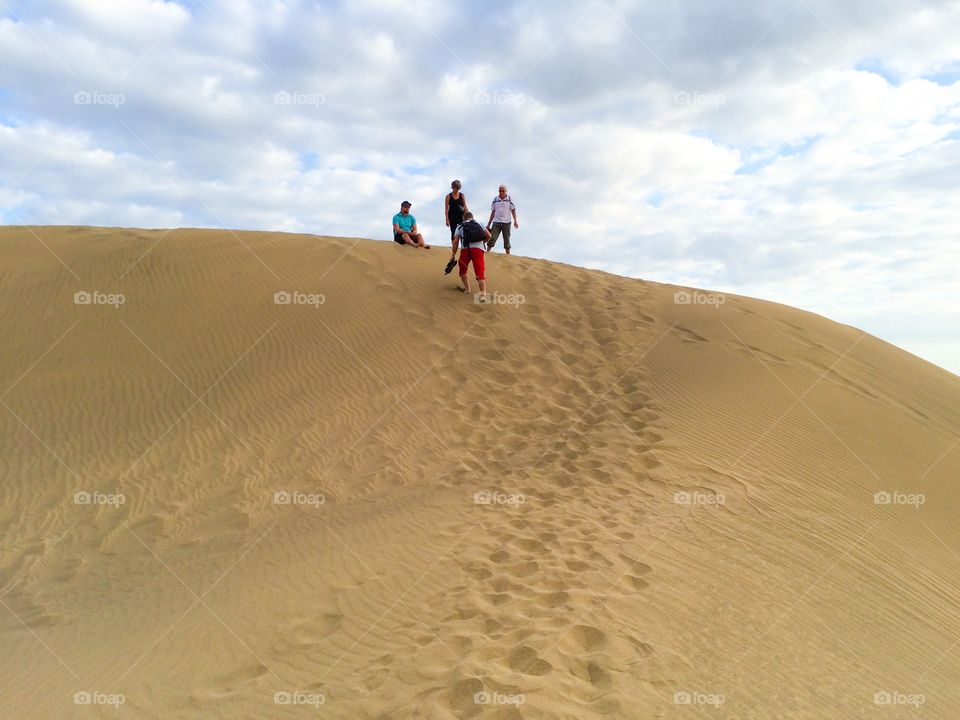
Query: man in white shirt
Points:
[501, 210]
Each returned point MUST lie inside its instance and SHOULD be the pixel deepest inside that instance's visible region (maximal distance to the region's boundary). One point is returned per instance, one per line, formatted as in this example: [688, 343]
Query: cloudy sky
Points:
[803, 151]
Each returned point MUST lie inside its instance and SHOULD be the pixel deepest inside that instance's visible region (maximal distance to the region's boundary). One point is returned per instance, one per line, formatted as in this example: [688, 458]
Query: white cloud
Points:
[125, 22]
[805, 153]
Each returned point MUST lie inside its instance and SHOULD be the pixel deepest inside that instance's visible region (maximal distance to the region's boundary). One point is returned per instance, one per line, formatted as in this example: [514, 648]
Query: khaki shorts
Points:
[495, 230]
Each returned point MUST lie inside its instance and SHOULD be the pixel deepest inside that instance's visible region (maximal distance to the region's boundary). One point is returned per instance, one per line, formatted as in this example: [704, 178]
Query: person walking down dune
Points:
[405, 228]
[454, 206]
[501, 209]
[472, 237]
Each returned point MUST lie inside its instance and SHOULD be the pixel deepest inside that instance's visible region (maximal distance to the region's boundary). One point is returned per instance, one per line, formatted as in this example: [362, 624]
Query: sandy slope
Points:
[698, 486]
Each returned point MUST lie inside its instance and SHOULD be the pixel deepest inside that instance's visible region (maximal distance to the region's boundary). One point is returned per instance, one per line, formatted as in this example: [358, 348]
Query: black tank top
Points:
[455, 213]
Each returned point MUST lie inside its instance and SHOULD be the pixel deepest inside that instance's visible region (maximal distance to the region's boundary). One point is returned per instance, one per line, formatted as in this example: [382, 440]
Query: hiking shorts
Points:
[398, 238]
[476, 255]
[496, 229]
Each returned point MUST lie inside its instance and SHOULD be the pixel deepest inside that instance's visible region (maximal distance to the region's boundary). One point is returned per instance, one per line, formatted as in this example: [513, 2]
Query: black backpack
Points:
[472, 233]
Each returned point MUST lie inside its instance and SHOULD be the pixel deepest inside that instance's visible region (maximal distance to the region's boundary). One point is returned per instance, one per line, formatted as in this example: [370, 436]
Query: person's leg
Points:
[506, 237]
[453, 242]
[419, 238]
[494, 234]
[479, 269]
[407, 240]
[453, 257]
[464, 263]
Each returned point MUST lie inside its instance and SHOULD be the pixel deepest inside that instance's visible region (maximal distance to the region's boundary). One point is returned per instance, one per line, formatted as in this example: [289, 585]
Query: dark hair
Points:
[468, 215]
[455, 185]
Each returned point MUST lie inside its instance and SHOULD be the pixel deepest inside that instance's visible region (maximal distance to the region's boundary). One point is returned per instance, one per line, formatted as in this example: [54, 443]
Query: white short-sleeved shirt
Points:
[501, 209]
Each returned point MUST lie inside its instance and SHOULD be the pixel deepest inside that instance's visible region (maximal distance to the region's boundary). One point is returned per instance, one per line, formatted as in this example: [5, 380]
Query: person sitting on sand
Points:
[501, 209]
[454, 206]
[405, 228]
[472, 236]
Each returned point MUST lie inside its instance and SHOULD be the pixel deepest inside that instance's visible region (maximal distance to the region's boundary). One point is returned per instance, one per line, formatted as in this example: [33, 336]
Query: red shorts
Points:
[468, 254]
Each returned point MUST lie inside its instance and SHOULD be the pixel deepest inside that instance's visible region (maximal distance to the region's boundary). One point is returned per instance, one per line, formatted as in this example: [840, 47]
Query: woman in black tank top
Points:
[455, 207]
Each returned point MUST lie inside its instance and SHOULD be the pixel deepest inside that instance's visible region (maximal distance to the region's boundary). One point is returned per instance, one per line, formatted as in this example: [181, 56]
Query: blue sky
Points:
[797, 150]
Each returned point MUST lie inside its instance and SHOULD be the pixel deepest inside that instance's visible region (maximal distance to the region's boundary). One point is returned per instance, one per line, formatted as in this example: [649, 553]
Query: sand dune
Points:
[596, 503]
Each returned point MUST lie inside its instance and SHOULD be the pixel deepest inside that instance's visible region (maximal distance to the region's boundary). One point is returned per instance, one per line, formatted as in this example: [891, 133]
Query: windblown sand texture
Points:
[683, 521]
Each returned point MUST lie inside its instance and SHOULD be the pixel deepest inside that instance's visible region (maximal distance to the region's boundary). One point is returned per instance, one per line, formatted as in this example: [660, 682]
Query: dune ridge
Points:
[595, 503]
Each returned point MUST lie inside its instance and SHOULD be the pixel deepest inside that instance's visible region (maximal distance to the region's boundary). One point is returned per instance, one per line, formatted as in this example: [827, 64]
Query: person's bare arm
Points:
[465, 208]
[396, 228]
[490, 221]
[516, 223]
[486, 233]
[413, 230]
[446, 210]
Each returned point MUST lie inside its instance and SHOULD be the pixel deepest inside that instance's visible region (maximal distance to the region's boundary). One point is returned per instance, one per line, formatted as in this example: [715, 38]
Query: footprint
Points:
[525, 569]
[597, 676]
[526, 661]
[554, 599]
[461, 697]
[585, 638]
[231, 682]
[498, 599]
[479, 573]
[650, 463]
[643, 650]
[462, 645]
[314, 630]
[762, 354]
[532, 545]
[689, 335]
[636, 567]
[27, 611]
[635, 583]
[577, 566]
